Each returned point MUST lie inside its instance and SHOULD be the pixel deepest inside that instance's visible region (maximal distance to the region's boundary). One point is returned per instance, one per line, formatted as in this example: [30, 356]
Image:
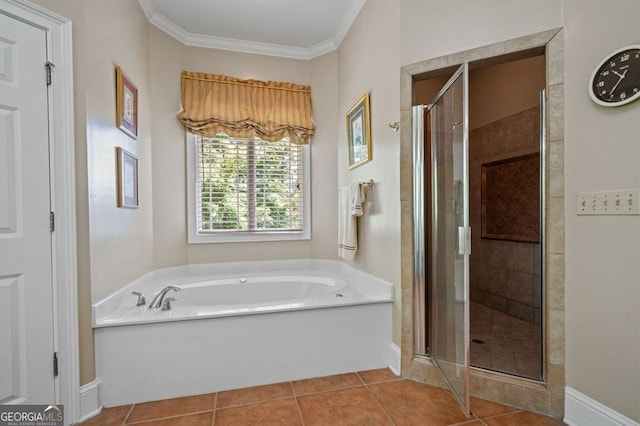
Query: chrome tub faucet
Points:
[159, 297]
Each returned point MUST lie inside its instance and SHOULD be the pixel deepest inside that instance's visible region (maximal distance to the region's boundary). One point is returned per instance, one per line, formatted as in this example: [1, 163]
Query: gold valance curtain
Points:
[244, 108]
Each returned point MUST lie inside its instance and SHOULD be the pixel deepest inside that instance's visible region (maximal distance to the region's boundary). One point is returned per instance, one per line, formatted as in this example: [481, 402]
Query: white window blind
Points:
[248, 186]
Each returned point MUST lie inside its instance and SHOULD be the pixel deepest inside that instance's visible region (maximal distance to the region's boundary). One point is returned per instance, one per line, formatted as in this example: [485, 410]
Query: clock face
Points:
[617, 80]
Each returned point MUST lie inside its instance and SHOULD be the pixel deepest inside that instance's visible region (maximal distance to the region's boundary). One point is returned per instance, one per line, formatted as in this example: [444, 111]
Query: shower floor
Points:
[511, 345]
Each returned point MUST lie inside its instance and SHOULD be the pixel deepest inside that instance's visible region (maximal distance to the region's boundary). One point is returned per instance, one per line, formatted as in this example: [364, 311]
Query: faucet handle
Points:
[141, 299]
[166, 303]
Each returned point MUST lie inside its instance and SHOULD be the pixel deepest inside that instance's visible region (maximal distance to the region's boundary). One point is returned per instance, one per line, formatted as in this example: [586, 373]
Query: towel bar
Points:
[368, 183]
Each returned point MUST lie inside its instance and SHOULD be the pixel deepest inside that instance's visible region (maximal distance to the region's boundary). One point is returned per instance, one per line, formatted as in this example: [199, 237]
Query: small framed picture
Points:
[126, 104]
[359, 132]
[127, 179]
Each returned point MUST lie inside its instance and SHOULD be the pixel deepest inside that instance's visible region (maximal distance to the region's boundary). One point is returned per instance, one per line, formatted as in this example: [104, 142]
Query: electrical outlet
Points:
[620, 202]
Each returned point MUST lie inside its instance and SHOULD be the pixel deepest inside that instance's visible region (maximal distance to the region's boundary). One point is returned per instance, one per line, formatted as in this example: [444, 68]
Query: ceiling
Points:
[301, 29]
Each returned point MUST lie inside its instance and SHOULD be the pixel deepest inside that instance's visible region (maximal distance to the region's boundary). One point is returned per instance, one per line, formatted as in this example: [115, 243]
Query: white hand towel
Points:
[350, 201]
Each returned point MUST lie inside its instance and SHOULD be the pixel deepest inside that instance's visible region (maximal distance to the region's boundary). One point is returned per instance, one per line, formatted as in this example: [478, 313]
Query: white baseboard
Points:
[394, 359]
[89, 401]
[581, 410]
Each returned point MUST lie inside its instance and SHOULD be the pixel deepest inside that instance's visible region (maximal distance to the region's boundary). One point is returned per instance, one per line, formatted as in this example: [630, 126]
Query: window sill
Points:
[248, 237]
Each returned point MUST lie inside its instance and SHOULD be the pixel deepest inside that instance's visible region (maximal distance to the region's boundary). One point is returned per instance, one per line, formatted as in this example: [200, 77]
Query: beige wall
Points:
[602, 152]
[324, 86]
[121, 239]
[368, 62]
[432, 28]
[168, 58]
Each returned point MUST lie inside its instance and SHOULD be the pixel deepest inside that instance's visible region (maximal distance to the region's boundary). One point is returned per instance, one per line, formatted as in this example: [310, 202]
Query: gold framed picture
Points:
[126, 104]
[359, 132]
[127, 179]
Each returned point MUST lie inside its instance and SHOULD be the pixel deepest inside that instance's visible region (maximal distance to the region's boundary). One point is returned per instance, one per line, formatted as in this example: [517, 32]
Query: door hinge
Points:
[52, 222]
[49, 66]
[55, 364]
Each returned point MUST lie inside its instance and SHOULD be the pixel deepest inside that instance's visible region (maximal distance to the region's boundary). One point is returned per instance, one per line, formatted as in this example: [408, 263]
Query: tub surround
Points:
[144, 356]
[328, 278]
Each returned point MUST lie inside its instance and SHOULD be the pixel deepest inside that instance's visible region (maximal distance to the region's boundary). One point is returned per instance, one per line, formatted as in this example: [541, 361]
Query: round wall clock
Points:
[616, 80]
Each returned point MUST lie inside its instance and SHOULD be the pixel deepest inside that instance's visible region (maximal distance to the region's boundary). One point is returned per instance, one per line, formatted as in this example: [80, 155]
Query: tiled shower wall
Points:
[504, 275]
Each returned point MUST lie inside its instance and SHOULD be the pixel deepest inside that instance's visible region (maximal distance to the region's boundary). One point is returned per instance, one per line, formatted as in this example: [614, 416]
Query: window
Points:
[247, 189]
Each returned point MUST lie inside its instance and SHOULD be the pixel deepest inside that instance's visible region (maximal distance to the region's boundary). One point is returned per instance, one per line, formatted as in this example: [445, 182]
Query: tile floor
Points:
[375, 397]
[511, 345]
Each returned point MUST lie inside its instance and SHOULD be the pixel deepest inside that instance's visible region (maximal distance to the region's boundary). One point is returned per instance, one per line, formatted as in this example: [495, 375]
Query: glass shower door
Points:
[449, 242]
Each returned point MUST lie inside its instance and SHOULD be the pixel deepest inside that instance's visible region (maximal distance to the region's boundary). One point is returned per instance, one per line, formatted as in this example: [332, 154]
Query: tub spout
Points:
[159, 297]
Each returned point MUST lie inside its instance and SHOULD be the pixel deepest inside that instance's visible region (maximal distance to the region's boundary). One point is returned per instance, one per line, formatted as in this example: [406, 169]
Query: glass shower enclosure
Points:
[442, 235]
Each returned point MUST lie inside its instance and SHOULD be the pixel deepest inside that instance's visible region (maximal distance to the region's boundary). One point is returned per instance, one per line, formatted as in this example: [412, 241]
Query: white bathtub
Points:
[240, 324]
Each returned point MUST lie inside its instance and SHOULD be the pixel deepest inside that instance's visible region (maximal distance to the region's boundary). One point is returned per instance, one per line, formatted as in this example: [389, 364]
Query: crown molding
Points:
[200, 40]
[347, 20]
[148, 7]
[321, 48]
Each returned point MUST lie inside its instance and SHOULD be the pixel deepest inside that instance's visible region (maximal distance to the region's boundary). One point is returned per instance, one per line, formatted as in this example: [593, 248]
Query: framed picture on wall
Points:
[127, 179]
[126, 104]
[359, 132]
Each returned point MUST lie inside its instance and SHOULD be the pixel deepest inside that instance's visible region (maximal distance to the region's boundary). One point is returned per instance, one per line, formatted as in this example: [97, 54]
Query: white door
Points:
[26, 289]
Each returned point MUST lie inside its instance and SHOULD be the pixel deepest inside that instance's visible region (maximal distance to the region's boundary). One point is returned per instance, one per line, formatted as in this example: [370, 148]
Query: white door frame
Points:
[63, 202]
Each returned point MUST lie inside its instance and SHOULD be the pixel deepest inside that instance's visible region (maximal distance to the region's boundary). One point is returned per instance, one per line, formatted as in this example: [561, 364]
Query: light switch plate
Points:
[619, 202]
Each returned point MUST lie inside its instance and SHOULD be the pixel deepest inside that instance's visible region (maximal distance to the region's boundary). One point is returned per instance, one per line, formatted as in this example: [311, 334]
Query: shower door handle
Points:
[464, 240]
